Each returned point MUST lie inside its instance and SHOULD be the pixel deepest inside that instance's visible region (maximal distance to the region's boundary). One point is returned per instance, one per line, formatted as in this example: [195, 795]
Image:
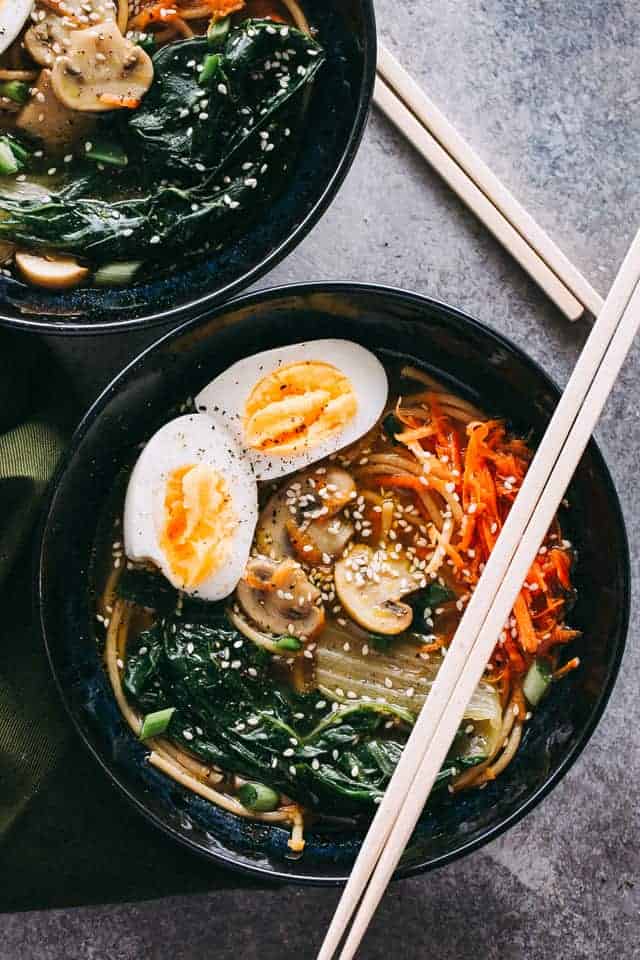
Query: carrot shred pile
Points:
[166, 13]
[484, 466]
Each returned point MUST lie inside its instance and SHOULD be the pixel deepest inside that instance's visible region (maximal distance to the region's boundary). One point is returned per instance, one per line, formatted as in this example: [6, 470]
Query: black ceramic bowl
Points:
[334, 125]
[478, 363]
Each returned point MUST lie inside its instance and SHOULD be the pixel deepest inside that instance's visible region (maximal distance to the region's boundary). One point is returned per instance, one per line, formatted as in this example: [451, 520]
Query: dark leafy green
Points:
[423, 603]
[391, 426]
[206, 157]
[147, 589]
[432, 596]
[230, 712]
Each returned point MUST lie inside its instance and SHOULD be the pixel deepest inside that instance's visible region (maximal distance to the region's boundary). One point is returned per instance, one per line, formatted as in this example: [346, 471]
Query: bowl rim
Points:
[93, 413]
[187, 310]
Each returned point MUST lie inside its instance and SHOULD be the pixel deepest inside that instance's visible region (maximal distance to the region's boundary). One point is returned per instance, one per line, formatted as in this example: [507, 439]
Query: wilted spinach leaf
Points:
[230, 712]
[205, 158]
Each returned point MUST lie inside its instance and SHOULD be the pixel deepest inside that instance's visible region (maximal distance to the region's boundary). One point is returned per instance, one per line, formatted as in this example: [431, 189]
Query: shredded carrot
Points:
[468, 530]
[167, 12]
[483, 466]
[432, 647]
[163, 12]
[570, 665]
[526, 633]
[455, 556]
[130, 103]
[562, 563]
[455, 456]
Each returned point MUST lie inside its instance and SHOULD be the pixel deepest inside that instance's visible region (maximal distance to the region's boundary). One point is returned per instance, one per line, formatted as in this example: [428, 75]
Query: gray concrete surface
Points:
[548, 91]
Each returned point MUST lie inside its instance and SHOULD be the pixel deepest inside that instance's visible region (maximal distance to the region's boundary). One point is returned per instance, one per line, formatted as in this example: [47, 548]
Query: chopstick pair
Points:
[425, 126]
[525, 528]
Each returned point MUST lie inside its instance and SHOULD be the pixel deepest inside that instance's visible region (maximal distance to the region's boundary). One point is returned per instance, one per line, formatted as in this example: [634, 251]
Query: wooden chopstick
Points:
[524, 557]
[491, 602]
[407, 106]
[476, 200]
[509, 589]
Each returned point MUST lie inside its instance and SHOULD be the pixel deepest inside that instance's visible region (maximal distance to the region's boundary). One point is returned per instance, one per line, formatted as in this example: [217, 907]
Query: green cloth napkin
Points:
[67, 837]
[31, 442]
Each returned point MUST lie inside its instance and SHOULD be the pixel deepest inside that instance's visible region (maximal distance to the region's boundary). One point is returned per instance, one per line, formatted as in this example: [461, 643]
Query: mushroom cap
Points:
[45, 118]
[370, 585]
[320, 542]
[48, 38]
[299, 515]
[53, 273]
[101, 70]
[278, 598]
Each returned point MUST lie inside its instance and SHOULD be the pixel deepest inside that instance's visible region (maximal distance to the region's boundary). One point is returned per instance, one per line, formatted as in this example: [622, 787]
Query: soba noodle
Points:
[433, 482]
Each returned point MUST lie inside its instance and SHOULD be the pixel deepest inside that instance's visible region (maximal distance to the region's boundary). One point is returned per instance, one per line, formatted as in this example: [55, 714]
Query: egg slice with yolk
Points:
[13, 16]
[294, 405]
[191, 507]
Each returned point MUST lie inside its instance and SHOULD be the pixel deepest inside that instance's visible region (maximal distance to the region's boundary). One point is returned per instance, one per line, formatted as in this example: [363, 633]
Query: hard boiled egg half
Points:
[191, 507]
[294, 405]
[13, 16]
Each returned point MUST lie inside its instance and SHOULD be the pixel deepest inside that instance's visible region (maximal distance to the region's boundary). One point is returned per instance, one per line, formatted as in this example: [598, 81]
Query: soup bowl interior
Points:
[478, 364]
[333, 127]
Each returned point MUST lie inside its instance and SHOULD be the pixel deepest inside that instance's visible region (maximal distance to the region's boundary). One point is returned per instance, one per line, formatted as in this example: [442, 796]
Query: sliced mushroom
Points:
[320, 542]
[45, 118]
[101, 70]
[279, 599]
[302, 517]
[54, 273]
[370, 585]
[48, 39]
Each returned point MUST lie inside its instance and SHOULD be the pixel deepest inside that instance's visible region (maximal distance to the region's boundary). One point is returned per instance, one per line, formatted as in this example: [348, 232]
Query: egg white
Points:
[13, 16]
[226, 396]
[191, 439]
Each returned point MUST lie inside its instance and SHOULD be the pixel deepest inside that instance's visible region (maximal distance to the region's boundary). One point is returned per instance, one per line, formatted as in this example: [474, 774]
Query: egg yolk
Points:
[298, 405]
[198, 523]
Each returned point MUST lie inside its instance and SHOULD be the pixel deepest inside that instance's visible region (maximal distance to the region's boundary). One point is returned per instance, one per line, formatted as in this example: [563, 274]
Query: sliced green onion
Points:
[537, 681]
[156, 723]
[19, 152]
[9, 163]
[146, 41]
[288, 643]
[217, 32]
[258, 797]
[15, 90]
[210, 67]
[116, 274]
[107, 151]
